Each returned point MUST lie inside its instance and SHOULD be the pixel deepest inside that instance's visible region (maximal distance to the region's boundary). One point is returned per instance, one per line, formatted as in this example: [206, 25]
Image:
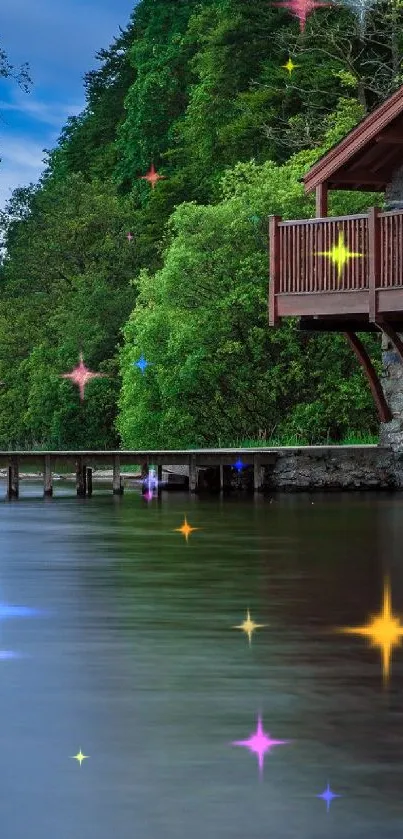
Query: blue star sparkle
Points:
[328, 796]
[142, 364]
[239, 465]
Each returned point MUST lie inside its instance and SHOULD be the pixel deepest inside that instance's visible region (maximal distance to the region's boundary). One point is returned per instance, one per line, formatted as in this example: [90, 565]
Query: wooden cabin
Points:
[345, 273]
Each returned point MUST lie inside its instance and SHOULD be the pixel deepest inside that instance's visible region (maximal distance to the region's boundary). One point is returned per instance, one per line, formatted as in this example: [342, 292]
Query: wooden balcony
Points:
[366, 289]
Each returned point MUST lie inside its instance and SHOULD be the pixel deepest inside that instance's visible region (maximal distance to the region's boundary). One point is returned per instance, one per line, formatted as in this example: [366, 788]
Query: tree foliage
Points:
[199, 88]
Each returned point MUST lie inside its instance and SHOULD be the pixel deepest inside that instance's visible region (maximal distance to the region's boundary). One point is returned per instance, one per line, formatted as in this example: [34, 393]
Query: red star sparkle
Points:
[152, 176]
[81, 376]
[302, 8]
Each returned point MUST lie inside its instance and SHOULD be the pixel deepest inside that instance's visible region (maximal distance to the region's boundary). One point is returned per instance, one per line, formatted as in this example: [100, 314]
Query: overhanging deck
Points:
[347, 267]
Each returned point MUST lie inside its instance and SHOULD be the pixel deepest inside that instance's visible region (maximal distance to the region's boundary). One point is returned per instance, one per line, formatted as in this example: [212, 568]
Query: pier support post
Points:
[89, 481]
[159, 479]
[257, 475]
[81, 478]
[13, 479]
[117, 486]
[47, 477]
[192, 474]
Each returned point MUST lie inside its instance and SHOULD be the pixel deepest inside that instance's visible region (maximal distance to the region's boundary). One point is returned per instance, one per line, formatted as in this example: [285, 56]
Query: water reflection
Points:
[138, 665]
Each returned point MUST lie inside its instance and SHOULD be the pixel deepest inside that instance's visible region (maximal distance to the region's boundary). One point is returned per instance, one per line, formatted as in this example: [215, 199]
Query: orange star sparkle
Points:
[249, 626]
[384, 631]
[152, 177]
[186, 529]
[81, 375]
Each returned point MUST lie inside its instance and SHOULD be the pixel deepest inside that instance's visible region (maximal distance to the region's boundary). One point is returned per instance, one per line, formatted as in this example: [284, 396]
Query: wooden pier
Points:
[83, 462]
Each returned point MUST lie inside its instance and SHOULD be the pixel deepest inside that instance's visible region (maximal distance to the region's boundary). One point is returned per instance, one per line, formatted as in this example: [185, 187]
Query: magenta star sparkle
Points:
[328, 796]
[260, 743]
[302, 8]
[81, 376]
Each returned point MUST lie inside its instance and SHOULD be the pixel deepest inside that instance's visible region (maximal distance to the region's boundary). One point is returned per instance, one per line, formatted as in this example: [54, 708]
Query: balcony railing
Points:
[306, 282]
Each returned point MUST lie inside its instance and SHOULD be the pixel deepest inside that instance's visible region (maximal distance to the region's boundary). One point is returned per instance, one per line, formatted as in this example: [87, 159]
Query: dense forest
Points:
[199, 88]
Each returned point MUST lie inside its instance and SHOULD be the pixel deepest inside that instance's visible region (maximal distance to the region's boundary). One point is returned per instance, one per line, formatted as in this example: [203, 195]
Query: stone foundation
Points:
[391, 433]
[313, 468]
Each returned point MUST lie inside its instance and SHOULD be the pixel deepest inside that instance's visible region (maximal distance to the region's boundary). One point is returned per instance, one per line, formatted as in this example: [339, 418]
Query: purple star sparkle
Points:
[5, 655]
[328, 796]
[260, 743]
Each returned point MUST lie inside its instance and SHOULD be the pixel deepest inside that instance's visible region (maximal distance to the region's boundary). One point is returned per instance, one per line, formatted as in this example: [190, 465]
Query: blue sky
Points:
[58, 39]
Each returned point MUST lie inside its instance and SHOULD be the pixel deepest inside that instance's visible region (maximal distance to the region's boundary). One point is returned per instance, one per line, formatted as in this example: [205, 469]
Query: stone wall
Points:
[327, 468]
[394, 191]
[335, 469]
[391, 433]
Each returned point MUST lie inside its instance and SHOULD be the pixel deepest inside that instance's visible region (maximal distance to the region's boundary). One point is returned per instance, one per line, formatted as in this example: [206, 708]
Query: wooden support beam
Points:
[274, 284]
[358, 348]
[374, 261]
[192, 473]
[47, 477]
[388, 330]
[321, 200]
[391, 136]
[81, 478]
[257, 475]
[117, 486]
[358, 176]
[89, 481]
[13, 479]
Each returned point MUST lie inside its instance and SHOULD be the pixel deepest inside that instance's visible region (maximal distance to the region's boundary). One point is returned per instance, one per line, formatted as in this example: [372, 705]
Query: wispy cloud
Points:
[50, 113]
[22, 162]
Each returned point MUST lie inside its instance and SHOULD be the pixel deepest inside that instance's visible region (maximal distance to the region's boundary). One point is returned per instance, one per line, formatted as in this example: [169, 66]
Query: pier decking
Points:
[48, 462]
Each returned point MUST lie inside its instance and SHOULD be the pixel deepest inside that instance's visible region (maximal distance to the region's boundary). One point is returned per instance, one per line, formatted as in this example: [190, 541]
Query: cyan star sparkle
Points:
[142, 364]
[302, 8]
[259, 743]
[81, 375]
[328, 796]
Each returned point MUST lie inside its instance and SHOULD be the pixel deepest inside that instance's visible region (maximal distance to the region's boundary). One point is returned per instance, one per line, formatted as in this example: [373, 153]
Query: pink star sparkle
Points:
[302, 8]
[152, 177]
[129, 237]
[260, 743]
[81, 376]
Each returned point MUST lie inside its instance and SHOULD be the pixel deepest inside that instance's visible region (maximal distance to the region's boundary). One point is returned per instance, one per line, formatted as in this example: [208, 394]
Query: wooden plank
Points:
[321, 200]
[324, 303]
[359, 176]
[384, 412]
[374, 252]
[274, 249]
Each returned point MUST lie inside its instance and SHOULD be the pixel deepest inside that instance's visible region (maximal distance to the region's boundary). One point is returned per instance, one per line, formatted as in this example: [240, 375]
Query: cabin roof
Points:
[366, 158]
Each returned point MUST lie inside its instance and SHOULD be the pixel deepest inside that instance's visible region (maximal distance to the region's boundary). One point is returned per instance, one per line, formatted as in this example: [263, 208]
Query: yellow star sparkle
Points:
[339, 254]
[80, 757]
[249, 626]
[384, 631]
[186, 529]
[290, 66]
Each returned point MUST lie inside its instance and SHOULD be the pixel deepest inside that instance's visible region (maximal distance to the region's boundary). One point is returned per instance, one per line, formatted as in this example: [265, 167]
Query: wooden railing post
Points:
[374, 261]
[274, 285]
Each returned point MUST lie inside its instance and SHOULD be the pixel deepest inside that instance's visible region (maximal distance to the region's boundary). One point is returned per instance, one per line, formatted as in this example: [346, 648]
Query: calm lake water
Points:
[132, 659]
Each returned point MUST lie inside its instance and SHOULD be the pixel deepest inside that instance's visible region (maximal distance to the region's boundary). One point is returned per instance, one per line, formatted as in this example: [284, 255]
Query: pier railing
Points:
[301, 263]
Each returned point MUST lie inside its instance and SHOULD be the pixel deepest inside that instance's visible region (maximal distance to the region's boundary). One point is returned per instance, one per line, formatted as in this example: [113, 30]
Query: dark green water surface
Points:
[134, 660]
